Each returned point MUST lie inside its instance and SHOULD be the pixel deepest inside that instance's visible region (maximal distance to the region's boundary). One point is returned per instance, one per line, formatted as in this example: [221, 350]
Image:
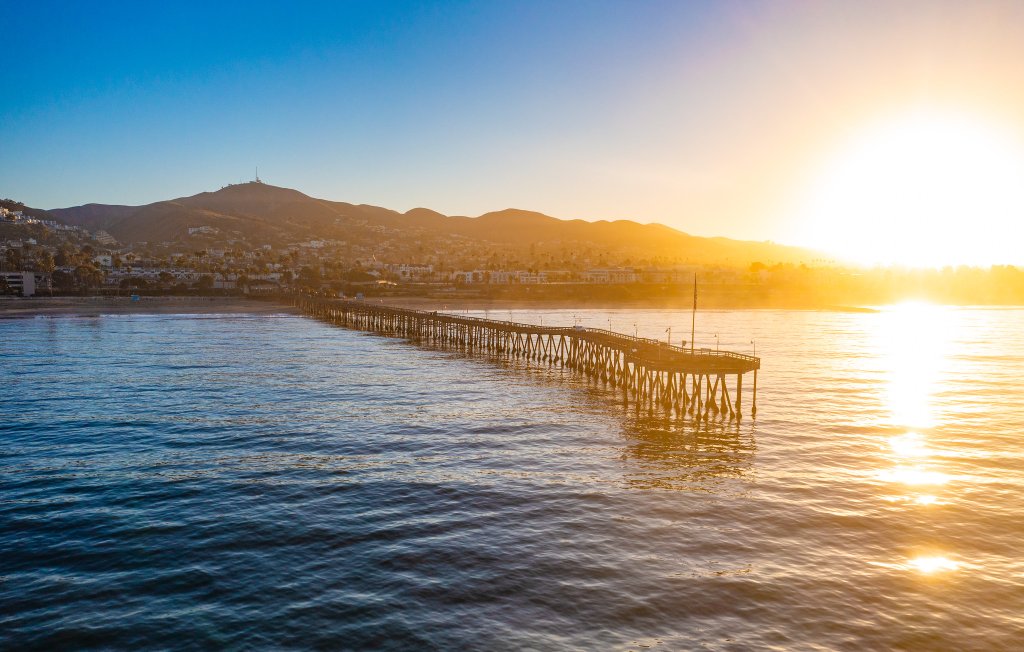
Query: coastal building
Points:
[20, 283]
[104, 238]
[610, 275]
[411, 272]
[261, 287]
[557, 276]
[671, 275]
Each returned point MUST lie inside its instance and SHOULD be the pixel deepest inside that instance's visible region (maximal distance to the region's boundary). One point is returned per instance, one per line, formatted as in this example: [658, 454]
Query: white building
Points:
[610, 275]
[104, 238]
[22, 283]
[410, 272]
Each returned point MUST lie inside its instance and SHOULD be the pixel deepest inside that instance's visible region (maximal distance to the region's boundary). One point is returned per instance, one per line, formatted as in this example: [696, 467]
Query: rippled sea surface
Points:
[269, 481]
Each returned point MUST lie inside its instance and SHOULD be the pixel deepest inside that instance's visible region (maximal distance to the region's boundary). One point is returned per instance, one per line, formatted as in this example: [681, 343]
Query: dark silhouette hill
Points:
[262, 213]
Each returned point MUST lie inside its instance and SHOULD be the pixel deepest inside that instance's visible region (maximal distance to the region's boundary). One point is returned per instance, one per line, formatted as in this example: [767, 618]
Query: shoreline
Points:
[442, 304]
[14, 307]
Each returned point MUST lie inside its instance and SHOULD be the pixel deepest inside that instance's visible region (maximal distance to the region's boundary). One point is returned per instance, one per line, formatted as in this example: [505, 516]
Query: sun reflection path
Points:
[915, 341]
[910, 453]
[929, 564]
[934, 564]
[911, 444]
[914, 476]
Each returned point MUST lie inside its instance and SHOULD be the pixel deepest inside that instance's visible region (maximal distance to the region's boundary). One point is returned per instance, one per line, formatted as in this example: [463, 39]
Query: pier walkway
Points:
[686, 381]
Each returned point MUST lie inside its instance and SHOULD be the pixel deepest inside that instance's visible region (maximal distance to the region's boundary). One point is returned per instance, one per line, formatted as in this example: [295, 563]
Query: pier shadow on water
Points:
[662, 449]
[678, 455]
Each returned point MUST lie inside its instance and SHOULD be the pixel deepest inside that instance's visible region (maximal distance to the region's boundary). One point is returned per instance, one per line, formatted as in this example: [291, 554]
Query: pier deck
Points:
[653, 372]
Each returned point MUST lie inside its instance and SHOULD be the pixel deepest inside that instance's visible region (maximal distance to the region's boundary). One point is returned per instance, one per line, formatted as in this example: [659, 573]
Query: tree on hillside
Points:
[88, 276]
[165, 278]
[12, 260]
[65, 255]
[205, 282]
[309, 276]
[43, 262]
[63, 281]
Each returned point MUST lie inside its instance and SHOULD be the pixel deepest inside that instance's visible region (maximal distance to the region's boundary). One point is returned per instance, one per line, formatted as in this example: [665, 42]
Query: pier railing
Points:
[655, 371]
[640, 347]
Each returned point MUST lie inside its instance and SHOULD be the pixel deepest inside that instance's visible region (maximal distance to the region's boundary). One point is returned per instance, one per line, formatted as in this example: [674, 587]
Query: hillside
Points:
[37, 213]
[258, 213]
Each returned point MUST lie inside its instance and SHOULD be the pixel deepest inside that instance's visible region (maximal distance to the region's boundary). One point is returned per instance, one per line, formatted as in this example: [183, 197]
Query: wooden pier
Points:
[655, 374]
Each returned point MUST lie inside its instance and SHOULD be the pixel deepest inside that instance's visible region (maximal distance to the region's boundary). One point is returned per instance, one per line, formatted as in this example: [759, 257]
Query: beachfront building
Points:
[25, 284]
[411, 272]
[610, 275]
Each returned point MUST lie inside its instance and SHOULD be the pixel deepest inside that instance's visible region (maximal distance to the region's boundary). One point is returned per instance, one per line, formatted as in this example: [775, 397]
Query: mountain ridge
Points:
[262, 213]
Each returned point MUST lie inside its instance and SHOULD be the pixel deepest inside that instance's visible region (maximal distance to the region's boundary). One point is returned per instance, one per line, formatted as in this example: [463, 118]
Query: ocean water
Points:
[273, 482]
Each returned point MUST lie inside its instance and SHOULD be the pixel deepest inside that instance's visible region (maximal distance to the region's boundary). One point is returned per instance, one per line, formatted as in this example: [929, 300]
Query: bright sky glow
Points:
[729, 118]
[923, 189]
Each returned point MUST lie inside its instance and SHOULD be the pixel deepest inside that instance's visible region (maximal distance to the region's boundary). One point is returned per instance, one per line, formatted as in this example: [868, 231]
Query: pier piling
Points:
[653, 372]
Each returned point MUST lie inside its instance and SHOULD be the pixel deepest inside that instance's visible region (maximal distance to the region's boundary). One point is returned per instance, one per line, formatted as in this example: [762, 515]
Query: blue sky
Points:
[699, 115]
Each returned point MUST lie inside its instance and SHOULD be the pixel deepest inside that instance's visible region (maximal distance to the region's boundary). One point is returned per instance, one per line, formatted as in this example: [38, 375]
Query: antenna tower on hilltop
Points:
[258, 174]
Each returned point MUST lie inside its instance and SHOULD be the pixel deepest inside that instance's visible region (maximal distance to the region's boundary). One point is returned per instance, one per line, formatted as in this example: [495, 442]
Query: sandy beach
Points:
[11, 307]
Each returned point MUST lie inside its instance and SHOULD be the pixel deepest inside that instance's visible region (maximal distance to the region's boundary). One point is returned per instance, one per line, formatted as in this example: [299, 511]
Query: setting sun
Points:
[928, 188]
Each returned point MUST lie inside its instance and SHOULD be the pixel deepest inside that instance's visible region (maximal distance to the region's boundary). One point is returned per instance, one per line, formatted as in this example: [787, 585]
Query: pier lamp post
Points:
[635, 330]
[716, 342]
[755, 348]
[669, 331]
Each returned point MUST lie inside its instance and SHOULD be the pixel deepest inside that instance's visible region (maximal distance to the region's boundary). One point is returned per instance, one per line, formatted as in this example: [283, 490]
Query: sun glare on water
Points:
[926, 189]
[933, 564]
[914, 339]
